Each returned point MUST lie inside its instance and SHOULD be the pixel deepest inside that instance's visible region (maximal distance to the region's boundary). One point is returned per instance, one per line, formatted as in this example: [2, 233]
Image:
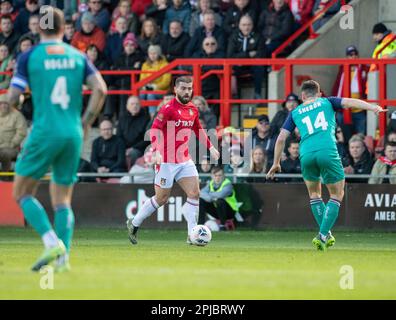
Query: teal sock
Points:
[318, 209]
[35, 214]
[64, 224]
[330, 217]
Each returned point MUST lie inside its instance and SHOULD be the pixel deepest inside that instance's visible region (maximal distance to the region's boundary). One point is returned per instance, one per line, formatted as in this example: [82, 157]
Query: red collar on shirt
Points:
[387, 161]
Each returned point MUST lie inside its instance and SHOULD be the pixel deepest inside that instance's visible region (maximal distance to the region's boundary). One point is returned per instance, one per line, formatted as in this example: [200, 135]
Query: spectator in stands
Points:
[198, 16]
[258, 165]
[5, 65]
[155, 62]
[178, 10]
[157, 11]
[69, 31]
[21, 24]
[6, 8]
[13, 130]
[150, 35]
[359, 160]
[358, 76]
[89, 34]
[244, 42]
[318, 6]
[205, 112]
[235, 12]
[276, 25]
[262, 136]
[25, 43]
[382, 36]
[108, 151]
[237, 162]
[8, 35]
[114, 41]
[302, 11]
[205, 167]
[132, 128]
[95, 56]
[292, 162]
[291, 102]
[100, 15]
[124, 10]
[34, 21]
[209, 29]
[385, 165]
[228, 140]
[130, 59]
[143, 169]
[174, 43]
[218, 199]
[341, 146]
[139, 7]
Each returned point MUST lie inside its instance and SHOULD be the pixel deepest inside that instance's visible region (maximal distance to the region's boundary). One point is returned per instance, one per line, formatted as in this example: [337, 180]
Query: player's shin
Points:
[318, 209]
[148, 208]
[190, 211]
[64, 224]
[330, 217]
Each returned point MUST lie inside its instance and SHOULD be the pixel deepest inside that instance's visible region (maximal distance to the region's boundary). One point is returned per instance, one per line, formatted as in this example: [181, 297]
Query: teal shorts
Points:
[61, 155]
[325, 164]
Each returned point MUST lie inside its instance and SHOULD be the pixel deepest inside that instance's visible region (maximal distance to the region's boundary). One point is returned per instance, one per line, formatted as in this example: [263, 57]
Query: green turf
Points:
[235, 265]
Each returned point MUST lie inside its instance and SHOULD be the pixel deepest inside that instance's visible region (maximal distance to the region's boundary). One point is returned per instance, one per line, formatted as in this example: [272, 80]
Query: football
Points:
[200, 235]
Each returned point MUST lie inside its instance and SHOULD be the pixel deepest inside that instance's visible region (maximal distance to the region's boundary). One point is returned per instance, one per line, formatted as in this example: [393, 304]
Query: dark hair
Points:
[216, 169]
[390, 144]
[69, 21]
[6, 17]
[185, 79]
[58, 20]
[24, 38]
[310, 88]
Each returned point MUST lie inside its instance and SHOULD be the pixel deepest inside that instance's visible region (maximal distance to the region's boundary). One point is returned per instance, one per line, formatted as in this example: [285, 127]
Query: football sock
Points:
[330, 216]
[190, 210]
[35, 214]
[64, 224]
[318, 208]
[145, 211]
[50, 239]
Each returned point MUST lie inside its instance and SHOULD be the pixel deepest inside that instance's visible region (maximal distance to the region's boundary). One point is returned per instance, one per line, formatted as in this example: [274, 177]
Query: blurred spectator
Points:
[6, 8]
[108, 151]
[245, 43]
[34, 21]
[89, 34]
[12, 131]
[292, 163]
[204, 166]
[132, 128]
[155, 62]
[276, 25]
[149, 35]
[69, 31]
[228, 140]
[302, 11]
[382, 37]
[5, 63]
[222, 6]
[95, 56]
[100, 15]
[291, 102]
[143, 169]
[218, 199]
[209, 29]
[358, 76]
[318, 6]
[385, 165]
[235, 12]
[114, 41]
[359, 160]
[8, 35]
[124, 10]
[139, 7]
[262, 136]
[25, 43]
[341, 144]
[205, 112]
[130, 59]
[198, 15]
[157, 11]
[178, 10]
[21, 24]
[174, 43]
[258, 165]
[237, 162]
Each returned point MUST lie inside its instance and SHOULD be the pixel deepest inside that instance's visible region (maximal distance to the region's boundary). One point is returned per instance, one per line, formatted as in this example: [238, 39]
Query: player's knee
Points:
[315, 195]
[193, 194]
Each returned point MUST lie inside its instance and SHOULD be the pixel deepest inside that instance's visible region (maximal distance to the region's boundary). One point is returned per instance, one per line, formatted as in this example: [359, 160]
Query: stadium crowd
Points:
[146, 35]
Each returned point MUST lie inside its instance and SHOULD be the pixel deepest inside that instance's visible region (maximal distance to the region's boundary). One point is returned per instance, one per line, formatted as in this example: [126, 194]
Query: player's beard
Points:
[184, 99]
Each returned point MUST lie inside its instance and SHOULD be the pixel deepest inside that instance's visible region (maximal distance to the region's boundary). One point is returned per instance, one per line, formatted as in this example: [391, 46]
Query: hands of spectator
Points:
[349, 170]
[103, 170]
[271, 173]
[11, 64]
[136, 65]
[252, 54]
[268, 41]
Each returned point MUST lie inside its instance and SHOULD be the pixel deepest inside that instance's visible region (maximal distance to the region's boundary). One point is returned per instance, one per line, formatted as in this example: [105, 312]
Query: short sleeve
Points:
[289, 124]
[20, 80]
[335, 102]
[90, 69]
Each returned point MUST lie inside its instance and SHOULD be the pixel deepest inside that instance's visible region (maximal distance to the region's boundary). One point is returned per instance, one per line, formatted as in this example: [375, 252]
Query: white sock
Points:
[62, 259]
[145, 211]
[190, 210]
[50, 239]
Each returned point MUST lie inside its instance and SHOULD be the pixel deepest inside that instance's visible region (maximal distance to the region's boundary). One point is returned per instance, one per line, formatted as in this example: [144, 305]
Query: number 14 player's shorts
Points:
[322, 163]
[166, 173]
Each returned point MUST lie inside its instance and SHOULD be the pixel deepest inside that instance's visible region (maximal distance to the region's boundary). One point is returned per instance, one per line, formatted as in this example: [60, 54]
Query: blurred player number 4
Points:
[204, 309]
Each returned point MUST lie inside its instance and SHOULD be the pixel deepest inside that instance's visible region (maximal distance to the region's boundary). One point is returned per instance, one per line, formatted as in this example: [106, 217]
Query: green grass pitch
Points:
[235, 265]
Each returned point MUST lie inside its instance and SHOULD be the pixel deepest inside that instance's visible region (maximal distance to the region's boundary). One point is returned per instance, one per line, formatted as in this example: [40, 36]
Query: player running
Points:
[170, 134]
[55, 73]
[315, 119]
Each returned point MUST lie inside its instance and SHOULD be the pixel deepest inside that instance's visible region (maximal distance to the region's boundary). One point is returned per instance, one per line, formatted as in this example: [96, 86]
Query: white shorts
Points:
[166, 173]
